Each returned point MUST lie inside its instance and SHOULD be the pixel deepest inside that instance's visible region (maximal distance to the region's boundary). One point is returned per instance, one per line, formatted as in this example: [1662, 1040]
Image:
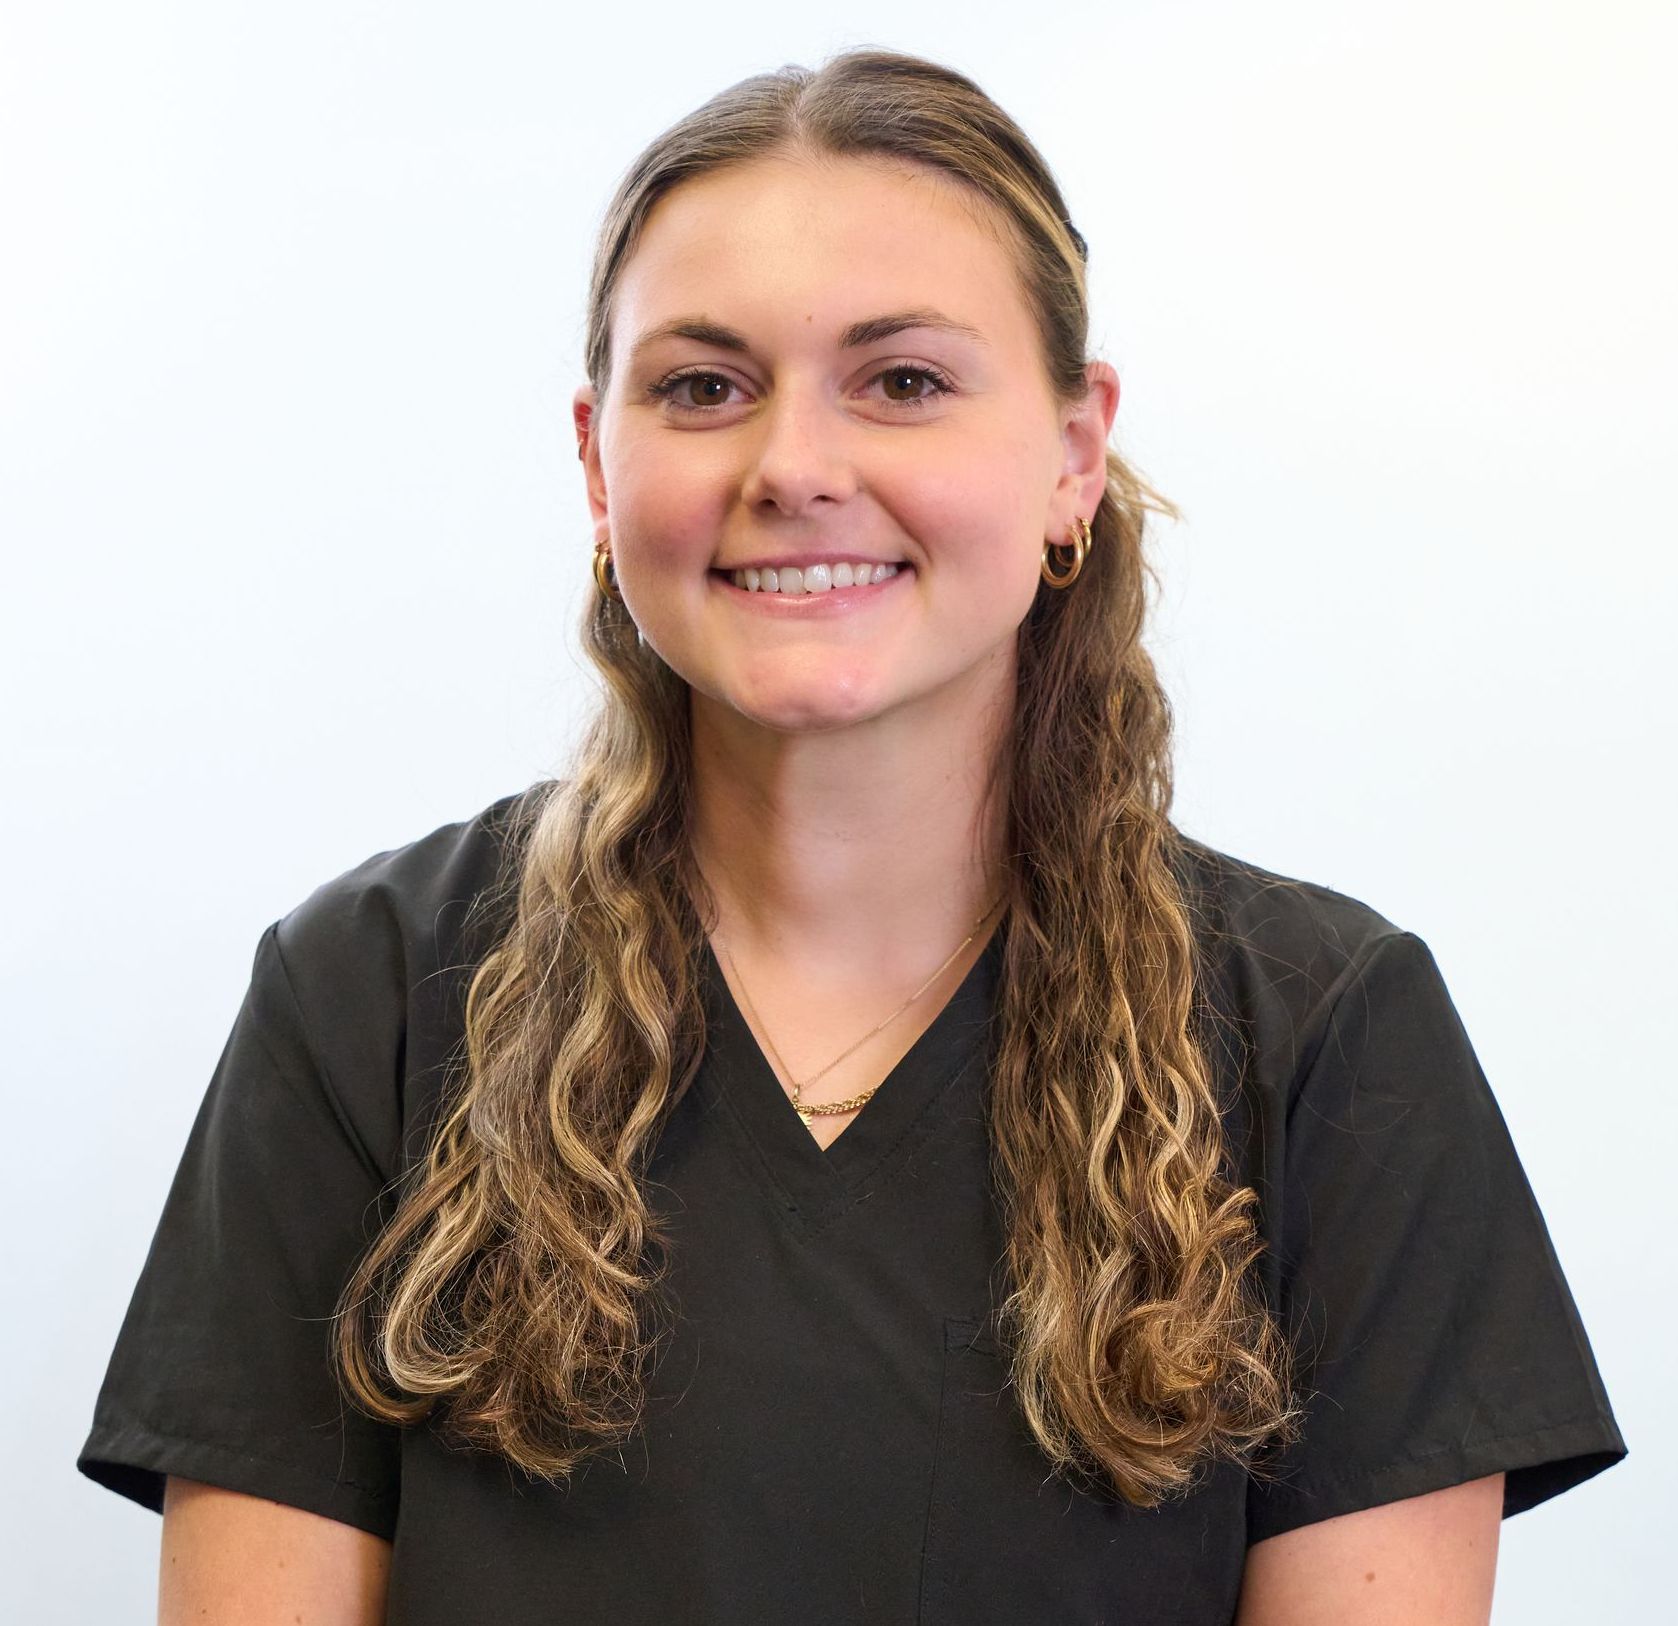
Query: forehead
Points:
[783, 241]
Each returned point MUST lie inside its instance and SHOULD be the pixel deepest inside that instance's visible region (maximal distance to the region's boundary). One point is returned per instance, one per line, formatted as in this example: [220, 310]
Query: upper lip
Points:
[800, 562]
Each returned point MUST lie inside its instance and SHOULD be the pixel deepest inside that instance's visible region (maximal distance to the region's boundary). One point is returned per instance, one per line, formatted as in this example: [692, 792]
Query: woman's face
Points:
[829, 364]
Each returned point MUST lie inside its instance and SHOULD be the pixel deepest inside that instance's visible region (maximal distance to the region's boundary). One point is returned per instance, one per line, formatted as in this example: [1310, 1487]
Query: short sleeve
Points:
[1437, 1340]
[222, 1371]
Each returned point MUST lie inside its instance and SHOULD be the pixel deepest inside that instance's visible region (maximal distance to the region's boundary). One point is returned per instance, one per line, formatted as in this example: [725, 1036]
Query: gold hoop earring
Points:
[605, 578]
[1079, 540]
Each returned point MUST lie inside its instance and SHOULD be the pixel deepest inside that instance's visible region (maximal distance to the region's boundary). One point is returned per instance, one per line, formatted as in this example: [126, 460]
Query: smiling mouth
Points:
[812, 581]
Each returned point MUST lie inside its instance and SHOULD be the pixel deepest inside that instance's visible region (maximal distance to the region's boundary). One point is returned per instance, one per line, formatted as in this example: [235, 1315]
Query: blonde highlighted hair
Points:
[513, 1294]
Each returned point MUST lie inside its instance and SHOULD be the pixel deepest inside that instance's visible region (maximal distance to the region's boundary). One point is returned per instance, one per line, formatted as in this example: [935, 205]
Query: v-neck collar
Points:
[807, 1180]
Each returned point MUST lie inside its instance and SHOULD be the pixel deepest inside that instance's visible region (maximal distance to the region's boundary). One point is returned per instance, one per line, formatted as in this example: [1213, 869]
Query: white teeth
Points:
[811, 578]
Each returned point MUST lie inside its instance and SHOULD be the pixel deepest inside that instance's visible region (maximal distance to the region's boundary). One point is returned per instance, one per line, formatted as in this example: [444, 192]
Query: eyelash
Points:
[666, 388]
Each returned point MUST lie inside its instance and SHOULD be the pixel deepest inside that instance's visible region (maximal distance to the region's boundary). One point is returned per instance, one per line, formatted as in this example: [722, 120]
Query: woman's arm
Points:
[229, 1557]
[1425, 1561]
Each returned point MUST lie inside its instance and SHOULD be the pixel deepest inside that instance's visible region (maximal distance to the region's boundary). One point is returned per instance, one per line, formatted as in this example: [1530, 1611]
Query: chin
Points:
[809, 719]
[796, 710]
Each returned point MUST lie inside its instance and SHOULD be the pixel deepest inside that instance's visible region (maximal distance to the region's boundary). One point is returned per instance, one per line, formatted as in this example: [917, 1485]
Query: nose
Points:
[801, 455]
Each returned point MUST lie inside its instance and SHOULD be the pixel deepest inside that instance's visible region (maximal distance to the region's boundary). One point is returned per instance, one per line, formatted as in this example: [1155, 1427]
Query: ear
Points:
[585, 416]
[1085, 428]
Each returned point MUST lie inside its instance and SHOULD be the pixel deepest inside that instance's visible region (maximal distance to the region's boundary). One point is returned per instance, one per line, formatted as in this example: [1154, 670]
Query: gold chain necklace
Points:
[831, 1107]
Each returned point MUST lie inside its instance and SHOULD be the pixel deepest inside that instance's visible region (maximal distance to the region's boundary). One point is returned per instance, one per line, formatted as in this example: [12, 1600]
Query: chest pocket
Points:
[1009, 1541]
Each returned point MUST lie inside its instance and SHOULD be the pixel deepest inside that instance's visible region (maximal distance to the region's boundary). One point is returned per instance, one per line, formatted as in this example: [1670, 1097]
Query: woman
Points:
[843, 1154]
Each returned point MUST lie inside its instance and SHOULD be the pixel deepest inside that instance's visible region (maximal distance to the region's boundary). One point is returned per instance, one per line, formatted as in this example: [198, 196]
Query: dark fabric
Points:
[829, 1435]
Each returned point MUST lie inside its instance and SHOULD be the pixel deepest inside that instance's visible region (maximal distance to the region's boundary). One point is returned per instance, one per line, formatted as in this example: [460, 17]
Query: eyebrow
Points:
[869, 331]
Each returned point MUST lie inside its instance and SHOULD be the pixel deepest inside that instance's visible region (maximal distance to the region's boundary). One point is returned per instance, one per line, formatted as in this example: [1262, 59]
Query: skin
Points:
[841, 818]
[230, 1557]
[1425, 1561]
[840, 815]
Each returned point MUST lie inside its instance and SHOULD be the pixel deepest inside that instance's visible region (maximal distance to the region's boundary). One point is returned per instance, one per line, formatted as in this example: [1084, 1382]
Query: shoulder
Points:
[409, 904]
[1293, 928]
[1278, 953]
[364, 983]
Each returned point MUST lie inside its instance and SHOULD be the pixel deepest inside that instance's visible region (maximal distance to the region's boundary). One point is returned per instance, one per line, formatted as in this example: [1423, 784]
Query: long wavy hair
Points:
[512, 1292]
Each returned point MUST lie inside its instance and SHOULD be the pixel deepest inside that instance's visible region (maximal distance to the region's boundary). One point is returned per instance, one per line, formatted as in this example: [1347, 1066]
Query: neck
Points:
[868, 851]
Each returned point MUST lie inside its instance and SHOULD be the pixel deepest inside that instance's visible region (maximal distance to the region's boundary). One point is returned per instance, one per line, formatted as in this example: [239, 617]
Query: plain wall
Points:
[295, 542]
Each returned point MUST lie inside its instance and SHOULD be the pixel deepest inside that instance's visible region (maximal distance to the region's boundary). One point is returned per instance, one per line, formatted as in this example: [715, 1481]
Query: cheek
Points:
[989, 483]
[987, 524]
[663, 515]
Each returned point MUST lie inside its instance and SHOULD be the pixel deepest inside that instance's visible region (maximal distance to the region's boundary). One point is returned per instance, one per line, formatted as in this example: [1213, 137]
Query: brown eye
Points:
[906, 378]
[705, 389]
[692, 393]
[899, 383]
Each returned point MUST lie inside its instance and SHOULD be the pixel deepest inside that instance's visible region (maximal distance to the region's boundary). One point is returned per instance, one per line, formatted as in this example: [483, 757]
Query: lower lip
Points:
[835, 601]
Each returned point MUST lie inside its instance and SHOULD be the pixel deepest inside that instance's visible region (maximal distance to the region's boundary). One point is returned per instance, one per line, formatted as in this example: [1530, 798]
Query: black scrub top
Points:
[829, 1433]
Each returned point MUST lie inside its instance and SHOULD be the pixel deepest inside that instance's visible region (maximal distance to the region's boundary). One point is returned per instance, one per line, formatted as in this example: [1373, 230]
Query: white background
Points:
[291, 309]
